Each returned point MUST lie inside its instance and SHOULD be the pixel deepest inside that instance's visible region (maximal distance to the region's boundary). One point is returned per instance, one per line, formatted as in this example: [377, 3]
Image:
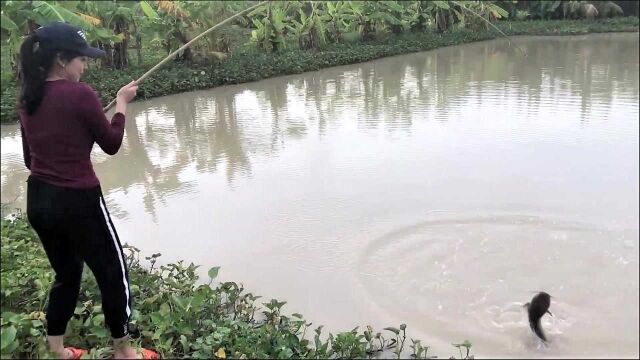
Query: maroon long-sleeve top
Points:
[57, 139]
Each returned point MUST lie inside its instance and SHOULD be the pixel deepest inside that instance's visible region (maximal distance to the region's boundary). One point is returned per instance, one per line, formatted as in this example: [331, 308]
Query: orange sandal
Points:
[75, 352]
[149, 354]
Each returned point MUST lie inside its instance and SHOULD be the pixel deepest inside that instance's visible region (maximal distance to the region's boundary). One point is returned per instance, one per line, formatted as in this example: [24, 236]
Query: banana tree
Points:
[118, 17]
[141, 23]
[171, 28]
[335, 13]
[300, 29]
[205, 15]
[367, 18]
[545, 9]
[417, 16]
[478, 15]
[571, 9]
[20, 18]
[394, 15]
[472, 14]
[443, 14]
[310, 30]
[14, 24]
[261, 34]
[270, 25]
[362, 17]
[317, 29]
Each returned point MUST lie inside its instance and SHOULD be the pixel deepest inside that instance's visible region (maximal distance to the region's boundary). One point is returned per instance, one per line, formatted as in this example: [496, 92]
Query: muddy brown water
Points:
[439, 189]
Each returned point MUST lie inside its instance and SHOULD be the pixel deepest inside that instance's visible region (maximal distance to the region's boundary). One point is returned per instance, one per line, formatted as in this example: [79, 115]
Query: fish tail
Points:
[537, 329]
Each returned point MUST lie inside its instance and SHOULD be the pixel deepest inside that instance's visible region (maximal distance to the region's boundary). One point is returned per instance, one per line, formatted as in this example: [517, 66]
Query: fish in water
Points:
[536, 309]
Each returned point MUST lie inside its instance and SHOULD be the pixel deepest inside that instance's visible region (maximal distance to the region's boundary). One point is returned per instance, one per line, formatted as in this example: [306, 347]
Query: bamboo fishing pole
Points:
[495, 27]
[173, 54]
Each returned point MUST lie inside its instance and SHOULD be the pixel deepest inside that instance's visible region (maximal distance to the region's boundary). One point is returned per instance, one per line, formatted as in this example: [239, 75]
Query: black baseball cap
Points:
[62, 36]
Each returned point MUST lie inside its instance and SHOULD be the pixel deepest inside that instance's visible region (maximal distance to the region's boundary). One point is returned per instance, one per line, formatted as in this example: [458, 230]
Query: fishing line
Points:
[495, 27]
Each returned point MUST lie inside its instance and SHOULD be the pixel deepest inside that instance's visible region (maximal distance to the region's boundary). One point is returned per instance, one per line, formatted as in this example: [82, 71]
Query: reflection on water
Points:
[175, 136]
[305, 172]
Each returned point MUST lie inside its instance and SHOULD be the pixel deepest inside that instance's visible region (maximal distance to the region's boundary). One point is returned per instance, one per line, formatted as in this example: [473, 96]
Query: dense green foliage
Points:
[120, 25]
[174, 313]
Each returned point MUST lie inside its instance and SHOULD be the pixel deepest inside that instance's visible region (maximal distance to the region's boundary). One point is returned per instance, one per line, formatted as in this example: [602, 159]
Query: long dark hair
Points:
[35, 64]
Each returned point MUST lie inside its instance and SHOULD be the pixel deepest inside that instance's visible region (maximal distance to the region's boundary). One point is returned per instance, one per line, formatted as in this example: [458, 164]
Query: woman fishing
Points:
[60, 120]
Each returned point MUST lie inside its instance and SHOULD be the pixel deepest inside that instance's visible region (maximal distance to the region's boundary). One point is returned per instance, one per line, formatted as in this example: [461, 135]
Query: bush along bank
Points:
[175, 314]
[248, 64]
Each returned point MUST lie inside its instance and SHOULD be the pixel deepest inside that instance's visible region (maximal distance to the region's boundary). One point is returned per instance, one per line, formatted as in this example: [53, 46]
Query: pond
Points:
[440, 189]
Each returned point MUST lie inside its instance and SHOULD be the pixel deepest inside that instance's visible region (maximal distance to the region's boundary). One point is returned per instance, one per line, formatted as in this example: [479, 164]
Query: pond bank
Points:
[173, 313]
[248, 65]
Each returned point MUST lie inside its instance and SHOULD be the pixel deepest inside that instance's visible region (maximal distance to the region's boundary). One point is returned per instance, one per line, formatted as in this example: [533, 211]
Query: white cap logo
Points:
[82, 35]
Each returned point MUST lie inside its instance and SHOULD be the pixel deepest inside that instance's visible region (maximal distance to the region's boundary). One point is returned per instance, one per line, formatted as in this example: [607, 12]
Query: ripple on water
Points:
[488, 267]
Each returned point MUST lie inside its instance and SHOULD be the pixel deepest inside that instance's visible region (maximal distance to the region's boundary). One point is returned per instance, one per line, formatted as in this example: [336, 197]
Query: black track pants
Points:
[74, 227]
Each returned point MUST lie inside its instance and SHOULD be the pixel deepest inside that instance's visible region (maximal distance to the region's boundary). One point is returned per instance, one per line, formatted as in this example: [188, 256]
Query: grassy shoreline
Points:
[175, 314]
[246, 65]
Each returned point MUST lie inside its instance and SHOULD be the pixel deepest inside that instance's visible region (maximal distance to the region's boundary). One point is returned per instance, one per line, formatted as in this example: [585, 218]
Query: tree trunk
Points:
[419, 25]
[120, 49]
[335, 34]
[119, 55]
[441, 22]
[107, 61]
[139, 49]
[314, 38]
[186, 54]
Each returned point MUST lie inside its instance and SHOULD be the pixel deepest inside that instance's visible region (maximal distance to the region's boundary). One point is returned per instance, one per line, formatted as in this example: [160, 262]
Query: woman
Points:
[61, 118]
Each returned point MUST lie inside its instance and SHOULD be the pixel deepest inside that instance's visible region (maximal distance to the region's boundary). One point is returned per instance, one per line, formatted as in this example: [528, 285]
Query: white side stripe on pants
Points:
[120, 256]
